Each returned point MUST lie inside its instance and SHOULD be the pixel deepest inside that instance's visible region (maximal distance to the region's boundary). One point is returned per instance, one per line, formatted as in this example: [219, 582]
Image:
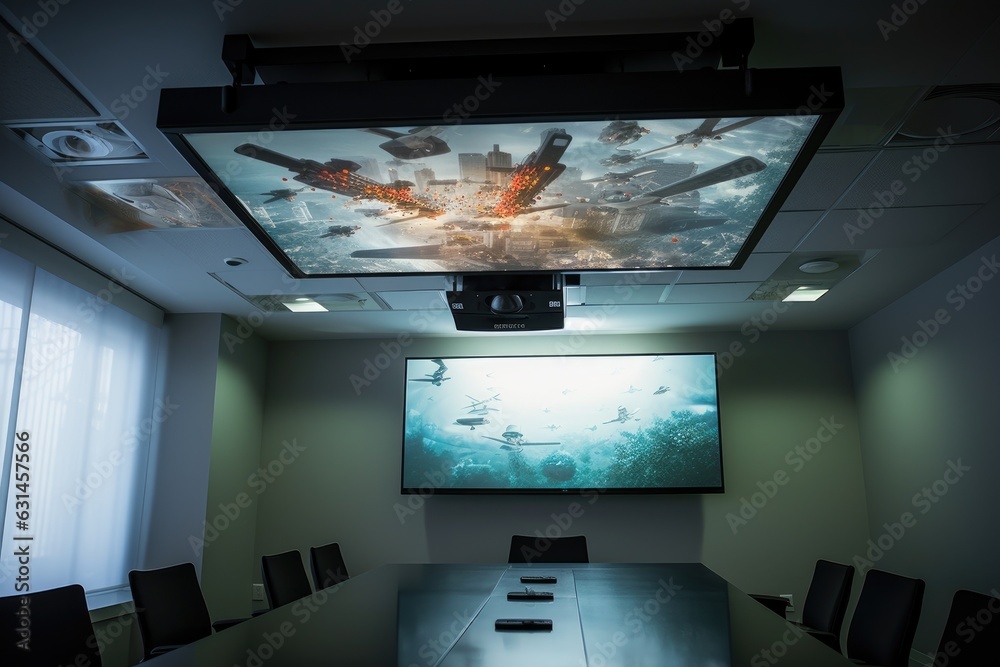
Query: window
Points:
[77, 380]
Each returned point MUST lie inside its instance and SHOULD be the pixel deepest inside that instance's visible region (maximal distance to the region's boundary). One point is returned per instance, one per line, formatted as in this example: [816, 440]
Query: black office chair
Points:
[328, 567]
[825, 604]
[885, 619]
[285, 578]
[61, 632]
[826, 601]
[171, 609]
[775, 603]
[965, 644]
[531, 549]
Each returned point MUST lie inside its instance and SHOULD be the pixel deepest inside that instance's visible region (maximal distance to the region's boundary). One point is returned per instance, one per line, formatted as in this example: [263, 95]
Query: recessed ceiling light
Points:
[819, 266]
[235, 261]
[806, 293]
[304, 305]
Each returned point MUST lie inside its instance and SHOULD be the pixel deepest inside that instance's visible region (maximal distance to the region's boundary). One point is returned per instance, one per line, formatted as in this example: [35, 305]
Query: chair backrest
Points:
[328, 567]
[285, 578]
[968, 641]
[169, 606]
[532, 549]
[827, 598]
[61, 632]
[885, 619]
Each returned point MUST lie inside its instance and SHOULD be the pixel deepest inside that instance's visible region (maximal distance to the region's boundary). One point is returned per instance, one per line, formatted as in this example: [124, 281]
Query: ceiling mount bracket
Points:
[736, 50]
[544, 56]
[238, 56]
[747, 78]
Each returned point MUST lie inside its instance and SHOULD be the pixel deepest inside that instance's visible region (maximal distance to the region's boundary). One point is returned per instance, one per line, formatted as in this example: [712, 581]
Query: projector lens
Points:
[505, 304]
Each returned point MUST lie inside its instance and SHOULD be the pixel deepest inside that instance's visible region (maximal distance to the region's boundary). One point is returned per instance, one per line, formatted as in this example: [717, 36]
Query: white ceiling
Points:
[104, 47]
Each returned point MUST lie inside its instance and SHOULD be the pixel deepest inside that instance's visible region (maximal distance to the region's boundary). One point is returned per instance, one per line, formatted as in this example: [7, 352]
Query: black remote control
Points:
[538, 579]
[521, 596]
[524, 624]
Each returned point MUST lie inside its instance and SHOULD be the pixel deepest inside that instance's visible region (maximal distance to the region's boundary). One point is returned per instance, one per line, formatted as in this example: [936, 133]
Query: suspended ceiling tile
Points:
[979, 64]
[891, 228]
[405, 283]
[786, 230]
[626, 295]
[825, 179]
[928, 176]
[758, 267]
[870, 115]
[415, 300]
[629, 278]
[712, 293]
[42, 93]
[211, 247]
[276, 281]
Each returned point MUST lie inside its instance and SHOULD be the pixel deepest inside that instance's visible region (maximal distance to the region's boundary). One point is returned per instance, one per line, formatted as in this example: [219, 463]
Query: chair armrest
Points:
[221, 625]
[166, 648]
[258, 612]
[778, 605]
[827, 638]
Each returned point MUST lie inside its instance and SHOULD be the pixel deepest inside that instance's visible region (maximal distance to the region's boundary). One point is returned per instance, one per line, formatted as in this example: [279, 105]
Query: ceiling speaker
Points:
[96, 143]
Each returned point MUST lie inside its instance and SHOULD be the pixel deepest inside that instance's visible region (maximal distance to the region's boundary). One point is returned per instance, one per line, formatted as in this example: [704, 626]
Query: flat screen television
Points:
[603, 172]
[637, 423]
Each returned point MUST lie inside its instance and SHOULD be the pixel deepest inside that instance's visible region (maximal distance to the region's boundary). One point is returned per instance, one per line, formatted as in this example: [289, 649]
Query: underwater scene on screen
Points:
[558, 423]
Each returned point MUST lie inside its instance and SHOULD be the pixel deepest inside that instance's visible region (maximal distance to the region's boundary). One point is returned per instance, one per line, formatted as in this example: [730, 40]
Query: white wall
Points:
[177, 482]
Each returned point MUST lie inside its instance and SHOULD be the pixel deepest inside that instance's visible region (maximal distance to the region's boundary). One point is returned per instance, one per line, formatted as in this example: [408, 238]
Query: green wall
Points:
[926, 370]
[777, 394]
[228, 563]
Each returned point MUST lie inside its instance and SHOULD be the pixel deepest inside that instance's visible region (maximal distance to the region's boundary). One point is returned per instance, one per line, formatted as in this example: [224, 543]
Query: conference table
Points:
[602, 615]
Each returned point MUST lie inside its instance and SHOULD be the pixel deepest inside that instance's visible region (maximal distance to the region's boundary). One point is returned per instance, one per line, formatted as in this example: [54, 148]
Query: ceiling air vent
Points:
[963, 114]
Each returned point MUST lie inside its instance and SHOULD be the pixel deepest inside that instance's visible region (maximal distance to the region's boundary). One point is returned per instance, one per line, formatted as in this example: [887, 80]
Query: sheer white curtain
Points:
[85, 408]
[15, 290]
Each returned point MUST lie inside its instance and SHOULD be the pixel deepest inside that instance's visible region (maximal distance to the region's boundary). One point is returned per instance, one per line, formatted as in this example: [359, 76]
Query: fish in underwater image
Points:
[508, 425]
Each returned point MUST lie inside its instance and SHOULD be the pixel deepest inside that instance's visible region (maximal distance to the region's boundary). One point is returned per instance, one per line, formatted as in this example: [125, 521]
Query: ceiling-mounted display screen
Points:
[520, 196]
[643, 423]
[600, 165]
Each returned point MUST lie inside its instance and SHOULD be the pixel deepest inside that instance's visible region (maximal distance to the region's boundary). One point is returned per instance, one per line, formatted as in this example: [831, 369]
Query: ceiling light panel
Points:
[304, 306]
[806, 293]
[789, 276]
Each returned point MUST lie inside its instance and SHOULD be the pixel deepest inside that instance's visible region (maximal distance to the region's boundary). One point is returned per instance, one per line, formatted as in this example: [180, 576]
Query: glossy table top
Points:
[603, 615]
